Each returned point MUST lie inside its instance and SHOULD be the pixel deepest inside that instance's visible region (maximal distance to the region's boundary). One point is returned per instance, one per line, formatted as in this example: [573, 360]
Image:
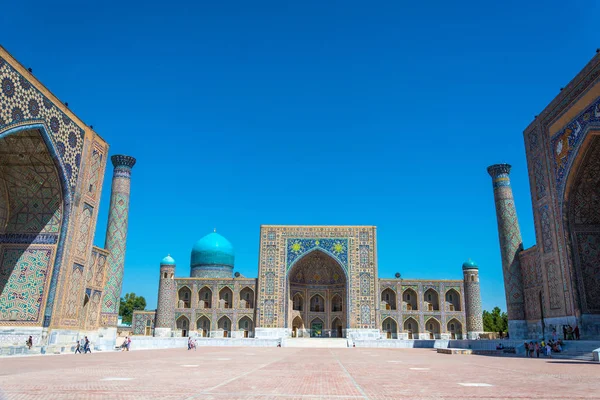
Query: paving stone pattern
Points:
[293, 373]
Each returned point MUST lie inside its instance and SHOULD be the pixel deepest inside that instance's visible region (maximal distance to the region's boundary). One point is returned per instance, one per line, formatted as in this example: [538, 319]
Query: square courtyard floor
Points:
[294, 373]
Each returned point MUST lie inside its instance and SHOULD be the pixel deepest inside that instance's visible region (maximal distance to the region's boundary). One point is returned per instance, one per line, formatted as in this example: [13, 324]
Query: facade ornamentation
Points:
[51, 174]
[313, 281]
[560, 273]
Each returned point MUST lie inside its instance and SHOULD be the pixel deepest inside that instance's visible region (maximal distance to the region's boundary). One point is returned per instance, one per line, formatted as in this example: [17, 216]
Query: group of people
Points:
[192, 344]
[552, 345]
[86, 346]
[126, 345]
[570, 333]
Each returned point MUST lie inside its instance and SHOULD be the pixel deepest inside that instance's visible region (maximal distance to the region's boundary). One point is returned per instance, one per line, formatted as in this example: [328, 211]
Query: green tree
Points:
[495, 321]
[129, 304]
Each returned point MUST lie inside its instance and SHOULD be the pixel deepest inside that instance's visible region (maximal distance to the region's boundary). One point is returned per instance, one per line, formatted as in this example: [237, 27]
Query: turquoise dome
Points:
[213, 249]
[168, 260]
[470, 264]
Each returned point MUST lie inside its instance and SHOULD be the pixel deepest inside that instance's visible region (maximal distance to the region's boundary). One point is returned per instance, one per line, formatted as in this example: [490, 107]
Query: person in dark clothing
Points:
[576, 332]
[86, 346]
[78, 348]
[29, 342]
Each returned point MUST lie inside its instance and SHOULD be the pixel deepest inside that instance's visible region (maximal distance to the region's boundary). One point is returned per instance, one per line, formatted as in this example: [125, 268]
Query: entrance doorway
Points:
[316, 328]
[317, 293]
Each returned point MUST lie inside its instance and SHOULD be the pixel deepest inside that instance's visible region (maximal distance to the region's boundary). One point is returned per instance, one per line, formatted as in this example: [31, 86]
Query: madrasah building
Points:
[313, 281]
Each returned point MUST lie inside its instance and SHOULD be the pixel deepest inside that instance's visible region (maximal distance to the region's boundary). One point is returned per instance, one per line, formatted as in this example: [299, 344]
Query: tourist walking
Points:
[86, 346]
[537, 349]
[128, 343]
[29, 342]
[77, 347]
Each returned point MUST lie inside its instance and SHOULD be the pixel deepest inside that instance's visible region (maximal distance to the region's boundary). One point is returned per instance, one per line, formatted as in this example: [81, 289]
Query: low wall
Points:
[438, 344]
[149, 342]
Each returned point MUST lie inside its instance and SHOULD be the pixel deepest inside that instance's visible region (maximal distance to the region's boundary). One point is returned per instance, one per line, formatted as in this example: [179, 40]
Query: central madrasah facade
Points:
[313, 281]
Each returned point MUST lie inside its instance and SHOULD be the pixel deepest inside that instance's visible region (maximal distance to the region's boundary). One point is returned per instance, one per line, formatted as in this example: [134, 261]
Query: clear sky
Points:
[309, 112]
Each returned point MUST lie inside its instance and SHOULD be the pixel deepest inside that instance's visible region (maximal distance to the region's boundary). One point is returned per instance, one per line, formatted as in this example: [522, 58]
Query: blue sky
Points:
[338, 112]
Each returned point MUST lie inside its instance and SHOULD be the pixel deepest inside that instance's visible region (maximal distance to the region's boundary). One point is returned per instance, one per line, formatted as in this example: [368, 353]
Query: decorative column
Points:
[116, 238]
[165, 309]
[473, 309]
[510, 246]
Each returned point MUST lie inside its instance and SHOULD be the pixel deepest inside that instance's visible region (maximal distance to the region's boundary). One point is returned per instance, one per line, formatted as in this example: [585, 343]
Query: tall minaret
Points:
[165, 309]
[473, 309]
[510, 246]
[116, 237]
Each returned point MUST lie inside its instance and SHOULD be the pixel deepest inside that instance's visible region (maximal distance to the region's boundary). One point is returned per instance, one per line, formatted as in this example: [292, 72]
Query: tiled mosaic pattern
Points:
[165, 314]
[282, 246]
[585, 224]
[22, 102]
[116, 236]
[566, 142]
[473, 308]
[588, 248]
[510, 240]
[141, 321]
[546, 228]
[24, 288]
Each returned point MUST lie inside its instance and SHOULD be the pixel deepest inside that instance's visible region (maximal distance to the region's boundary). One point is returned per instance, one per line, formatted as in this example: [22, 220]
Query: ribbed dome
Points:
[212, 253]
[470, 264]
[168, 260]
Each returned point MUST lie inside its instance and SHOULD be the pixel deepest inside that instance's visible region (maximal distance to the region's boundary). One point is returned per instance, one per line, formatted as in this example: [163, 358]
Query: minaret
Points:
[510, 246]
[165, 309]
[116, 237]
[473, 309]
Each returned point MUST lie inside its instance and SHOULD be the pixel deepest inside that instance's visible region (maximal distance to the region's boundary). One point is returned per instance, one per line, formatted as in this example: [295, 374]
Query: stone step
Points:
[315, 342]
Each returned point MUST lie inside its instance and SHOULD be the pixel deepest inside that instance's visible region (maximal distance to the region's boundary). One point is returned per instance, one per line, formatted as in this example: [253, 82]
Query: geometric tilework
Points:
[473, 307]
[584, 214]
[337, 248]
[588, 248]
[510, 240]
[116, 233]
[546, 227]
[22, 102]
[85, 221]
[585, 196]
[73, 303]
[166, 297]
[365, 314]
[539, 177]
[29, 174]
[317, 268]
[365, 284]
[141, 320]
[554, 284]
[23, 288]
[566, 142]
[270, 283]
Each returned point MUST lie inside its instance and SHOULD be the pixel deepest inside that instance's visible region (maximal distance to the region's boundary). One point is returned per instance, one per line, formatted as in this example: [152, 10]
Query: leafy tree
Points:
[129, 304]
[495, 321]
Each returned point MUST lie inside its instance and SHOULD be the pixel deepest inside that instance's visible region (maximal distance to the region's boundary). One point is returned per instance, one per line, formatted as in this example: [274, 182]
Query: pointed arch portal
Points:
[317, 292]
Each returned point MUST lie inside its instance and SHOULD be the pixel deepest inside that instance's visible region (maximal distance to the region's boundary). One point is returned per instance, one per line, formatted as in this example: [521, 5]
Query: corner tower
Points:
[165, 309]
[473, 309]
[511, 245]
[116, 237]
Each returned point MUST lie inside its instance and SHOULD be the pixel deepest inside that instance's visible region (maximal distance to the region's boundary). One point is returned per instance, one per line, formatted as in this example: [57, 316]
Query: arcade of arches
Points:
[312, 288]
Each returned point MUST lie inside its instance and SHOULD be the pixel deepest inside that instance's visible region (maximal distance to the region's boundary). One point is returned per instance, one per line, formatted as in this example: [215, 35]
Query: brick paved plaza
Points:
[293, 373]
